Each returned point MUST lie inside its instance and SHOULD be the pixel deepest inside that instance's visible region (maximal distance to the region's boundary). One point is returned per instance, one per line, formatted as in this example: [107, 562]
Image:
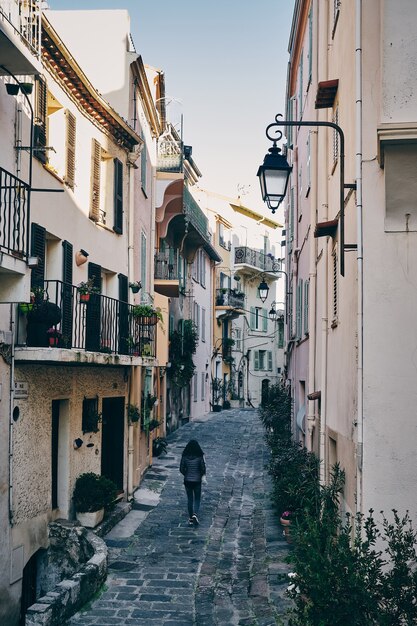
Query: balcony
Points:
[14, 215]
[20, 40]
[170, 155]
[167, 278]
[230, 297]
[63, 319]
[195, 215]
[249, 259]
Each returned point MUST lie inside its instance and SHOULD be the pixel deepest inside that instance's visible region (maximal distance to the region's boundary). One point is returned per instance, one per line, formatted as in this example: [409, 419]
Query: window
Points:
[203, 268]
[291, 217]
[224, 236]
[203, 385]
[280, 333]
[196, 317]
[262, 360]
[143, 268]
[171, 324]
[238, 339]
[70, 123]
[256, 318]
[118, 196]
[95, 181]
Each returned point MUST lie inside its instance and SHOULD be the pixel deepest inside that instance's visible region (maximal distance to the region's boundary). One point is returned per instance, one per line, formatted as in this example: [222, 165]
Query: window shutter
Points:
[306, 298]
[281, 334]
[298, 309]
[195, 381]
[310, 45]
[256, 359]
[301, 93]
[93, 313]
[40, 119]
[123, 344]
[252, 318]
[69, 177]
[38, 236]
[335, 307]
[269, 360]
[95, 181]
[143, 262]
[264, 320]
[67, 294]
[203, 324]
[171, 324]
[123, 288]
[118, 196]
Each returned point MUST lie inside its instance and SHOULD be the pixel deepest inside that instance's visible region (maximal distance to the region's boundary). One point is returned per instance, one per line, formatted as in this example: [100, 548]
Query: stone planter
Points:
[91, 519]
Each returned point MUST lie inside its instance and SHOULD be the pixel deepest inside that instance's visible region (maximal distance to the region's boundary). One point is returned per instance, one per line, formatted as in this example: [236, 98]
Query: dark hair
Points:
[193, 449]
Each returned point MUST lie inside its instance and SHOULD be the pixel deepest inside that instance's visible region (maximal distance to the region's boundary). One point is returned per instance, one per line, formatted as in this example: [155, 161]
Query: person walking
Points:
[193, 468]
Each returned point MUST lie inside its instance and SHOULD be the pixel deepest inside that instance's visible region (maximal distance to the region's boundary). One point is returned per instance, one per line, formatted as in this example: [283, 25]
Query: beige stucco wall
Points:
[32, 431]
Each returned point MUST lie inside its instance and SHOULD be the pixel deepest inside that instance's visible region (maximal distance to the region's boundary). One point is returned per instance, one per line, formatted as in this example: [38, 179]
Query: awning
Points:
[300, 418]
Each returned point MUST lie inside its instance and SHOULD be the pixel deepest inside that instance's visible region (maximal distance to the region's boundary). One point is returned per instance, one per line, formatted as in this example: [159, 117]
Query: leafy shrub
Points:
[93, 492]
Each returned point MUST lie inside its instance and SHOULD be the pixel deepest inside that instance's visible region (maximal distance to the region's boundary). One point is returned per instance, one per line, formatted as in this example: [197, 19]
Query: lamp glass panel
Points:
[276, 183]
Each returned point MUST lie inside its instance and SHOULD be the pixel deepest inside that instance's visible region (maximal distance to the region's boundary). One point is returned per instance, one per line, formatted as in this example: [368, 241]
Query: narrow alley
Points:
[229, 570]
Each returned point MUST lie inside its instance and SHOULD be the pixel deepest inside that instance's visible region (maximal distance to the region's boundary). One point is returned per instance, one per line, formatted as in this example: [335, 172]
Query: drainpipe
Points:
[12, 380]
[311, 416]
[323, 154]
[131, 380]
[358, 173]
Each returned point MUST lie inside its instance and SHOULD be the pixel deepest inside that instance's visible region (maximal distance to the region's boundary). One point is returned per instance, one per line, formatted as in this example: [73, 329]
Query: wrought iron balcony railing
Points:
[24, 16]
[14, 214]
[166, 265]
[63, 317]
[230, 297]
[256, 258]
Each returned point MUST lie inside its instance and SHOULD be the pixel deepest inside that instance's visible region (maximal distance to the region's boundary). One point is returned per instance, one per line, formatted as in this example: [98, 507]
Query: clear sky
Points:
[225, 64]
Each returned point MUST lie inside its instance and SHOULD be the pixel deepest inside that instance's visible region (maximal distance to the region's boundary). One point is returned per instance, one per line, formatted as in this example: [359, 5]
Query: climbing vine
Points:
[183, 345]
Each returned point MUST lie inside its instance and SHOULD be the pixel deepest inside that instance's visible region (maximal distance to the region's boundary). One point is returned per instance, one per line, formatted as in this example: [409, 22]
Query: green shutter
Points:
[269, 360]
[118, 196]
[143, 164]
[252, 318]
[143, 262]
[265, 320]
[256, 360]
[306, 298]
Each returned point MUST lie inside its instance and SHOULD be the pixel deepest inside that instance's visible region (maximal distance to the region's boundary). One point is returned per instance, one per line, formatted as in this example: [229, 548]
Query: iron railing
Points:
[256, 258]
[230, 297]
[166, 265]
[195, 215]
[62, 317]
[14, 214]
[25, 18]
[170, 155]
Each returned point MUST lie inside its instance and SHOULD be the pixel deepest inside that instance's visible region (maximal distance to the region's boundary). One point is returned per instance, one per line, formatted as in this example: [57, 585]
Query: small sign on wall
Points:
[21, 391]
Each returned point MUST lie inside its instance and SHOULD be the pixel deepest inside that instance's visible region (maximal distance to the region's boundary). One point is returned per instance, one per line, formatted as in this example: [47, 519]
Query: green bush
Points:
[93, 492]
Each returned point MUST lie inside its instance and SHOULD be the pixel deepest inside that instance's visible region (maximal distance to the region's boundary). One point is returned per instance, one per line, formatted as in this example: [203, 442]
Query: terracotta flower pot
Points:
[53, 341]
[84, 297]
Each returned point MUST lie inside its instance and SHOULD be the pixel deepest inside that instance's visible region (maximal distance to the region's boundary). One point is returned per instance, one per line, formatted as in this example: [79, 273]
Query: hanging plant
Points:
[182, 346]
[133, 413]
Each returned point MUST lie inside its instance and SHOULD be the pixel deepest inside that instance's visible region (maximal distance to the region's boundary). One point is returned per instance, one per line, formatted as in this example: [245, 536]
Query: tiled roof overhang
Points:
[67, 71]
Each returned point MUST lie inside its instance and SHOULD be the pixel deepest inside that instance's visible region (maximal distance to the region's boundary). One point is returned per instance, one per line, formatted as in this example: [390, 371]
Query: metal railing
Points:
[63, 317]
[170, 155]
[230, 297]
[14, 214]
[166, 265]
[24, 17]
[256, 258]
[195, 215]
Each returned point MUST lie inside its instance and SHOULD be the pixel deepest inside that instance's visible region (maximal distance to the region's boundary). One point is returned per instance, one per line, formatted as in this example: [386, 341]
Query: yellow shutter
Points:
[95, 181]
[70, 150]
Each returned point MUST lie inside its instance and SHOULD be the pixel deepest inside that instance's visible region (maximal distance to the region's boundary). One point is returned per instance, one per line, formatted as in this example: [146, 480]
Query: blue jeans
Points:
[193, 496]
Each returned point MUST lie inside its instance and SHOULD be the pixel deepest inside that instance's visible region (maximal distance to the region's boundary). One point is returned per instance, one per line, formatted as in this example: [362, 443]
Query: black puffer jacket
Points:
[193, 468]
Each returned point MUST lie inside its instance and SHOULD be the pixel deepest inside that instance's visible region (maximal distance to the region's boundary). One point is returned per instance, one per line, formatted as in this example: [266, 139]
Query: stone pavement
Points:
[228, 571]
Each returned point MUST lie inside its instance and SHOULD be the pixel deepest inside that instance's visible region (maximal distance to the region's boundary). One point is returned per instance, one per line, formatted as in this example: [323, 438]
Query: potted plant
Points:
[159, 445]
[54, 336]
[146, 314]
[42, 316]
[135, 286]
[85, 289]
[153, 424]
[133, 413]
[92, 495]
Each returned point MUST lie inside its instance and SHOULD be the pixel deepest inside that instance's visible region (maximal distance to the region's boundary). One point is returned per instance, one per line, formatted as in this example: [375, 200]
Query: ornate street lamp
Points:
[263, 290]
[282, 171]
[274, 173]
[273, 314]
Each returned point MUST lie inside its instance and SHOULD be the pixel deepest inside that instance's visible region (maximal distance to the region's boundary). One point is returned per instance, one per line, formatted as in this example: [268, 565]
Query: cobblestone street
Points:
[228, 571]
